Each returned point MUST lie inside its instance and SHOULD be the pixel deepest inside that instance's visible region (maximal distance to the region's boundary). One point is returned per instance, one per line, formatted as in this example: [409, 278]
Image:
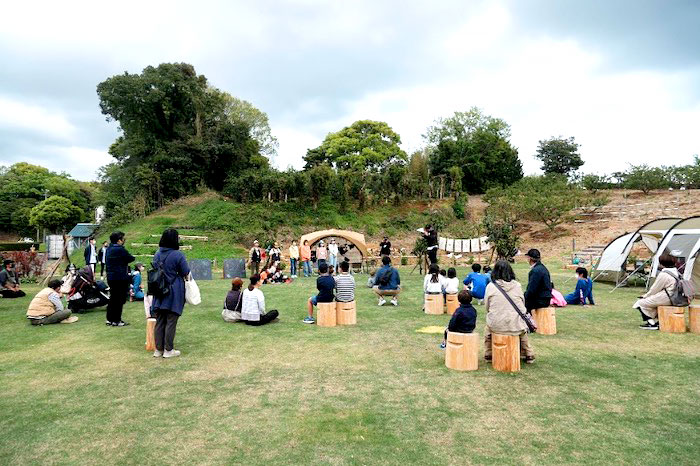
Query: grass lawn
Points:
[601, 391]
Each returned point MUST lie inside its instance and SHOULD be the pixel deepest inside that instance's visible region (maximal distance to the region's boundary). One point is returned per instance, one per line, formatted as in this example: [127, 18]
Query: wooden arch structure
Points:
[357, 239]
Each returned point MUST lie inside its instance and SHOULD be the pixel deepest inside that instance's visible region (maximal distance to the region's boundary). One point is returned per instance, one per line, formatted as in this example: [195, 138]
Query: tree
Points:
[241, 111]
[479, 145]
[55, 213]
[645, 178]
[559, 155]
[501, 235]
[321, 179]
[365, 144]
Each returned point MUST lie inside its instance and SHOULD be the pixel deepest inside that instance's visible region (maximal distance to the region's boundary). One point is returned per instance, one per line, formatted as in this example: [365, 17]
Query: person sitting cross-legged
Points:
[325, 285]
[583, 294]
[464, 318]
[47, 307]
[253, 305]
[387, 282]
[9, 283]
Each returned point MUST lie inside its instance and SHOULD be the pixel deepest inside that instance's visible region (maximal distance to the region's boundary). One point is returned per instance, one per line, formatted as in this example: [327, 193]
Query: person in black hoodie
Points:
[539, 284]
[464, 318]
[118, 259]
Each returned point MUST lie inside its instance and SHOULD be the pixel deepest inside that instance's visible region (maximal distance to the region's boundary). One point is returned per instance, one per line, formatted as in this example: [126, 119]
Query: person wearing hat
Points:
[539, 284]
[9, 283]
[254, 258]
[47, 307]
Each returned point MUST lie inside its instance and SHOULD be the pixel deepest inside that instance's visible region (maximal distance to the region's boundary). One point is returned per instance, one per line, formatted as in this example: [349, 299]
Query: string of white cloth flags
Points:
[472, 245]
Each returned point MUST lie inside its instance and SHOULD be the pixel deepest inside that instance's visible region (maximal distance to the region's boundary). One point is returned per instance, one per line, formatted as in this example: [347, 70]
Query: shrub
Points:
[27, 264]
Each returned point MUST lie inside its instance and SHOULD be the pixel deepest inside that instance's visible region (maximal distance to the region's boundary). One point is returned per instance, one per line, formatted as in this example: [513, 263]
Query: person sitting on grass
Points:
[232, 304]
[253, 305]
[464, 318]
[137, 282]
[583, 294]
[372, 278]
[325, 285]
[47, 307]
[9, 283]
[558, 299]
[387, 282]
[345, 284]
[478, 282]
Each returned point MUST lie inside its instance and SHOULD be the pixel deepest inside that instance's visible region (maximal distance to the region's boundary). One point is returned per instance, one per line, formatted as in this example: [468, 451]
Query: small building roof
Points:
[83, 230]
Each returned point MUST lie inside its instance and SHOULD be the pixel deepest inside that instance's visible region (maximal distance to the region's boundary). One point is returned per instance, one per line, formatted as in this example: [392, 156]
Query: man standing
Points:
[539, 285]
[431, 238]
[118, 259]
[385, 247]
[9, 283]
[387, 282]
[91, 254]
[254, 258]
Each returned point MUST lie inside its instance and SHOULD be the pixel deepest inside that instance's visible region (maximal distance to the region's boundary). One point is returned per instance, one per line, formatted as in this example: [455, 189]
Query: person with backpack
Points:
[169, 302]
[387, 283]
[118, 260]
[659, 294]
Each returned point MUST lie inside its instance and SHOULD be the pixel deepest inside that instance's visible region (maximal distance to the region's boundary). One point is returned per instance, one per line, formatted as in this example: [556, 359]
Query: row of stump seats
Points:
[672, 319]
[336, 313]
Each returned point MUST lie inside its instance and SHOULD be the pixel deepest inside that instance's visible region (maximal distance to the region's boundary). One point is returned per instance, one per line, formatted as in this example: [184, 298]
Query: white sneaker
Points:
[171, 354]
[382, 302]
[157, 354]
[395, 301]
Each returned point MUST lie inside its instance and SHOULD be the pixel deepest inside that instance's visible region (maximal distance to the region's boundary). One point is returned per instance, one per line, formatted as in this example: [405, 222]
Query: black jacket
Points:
[539, 288]
[463, 320]
[87, 253]
[118, 259]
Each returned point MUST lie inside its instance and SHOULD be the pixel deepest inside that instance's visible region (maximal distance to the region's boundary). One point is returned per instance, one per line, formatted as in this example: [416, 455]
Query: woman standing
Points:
[168, 309]
[275, 254]
[253, 305]
[321, 254]
[305, 253]
[501, 316]
[333, 254]
[254, 258]
[293, 259]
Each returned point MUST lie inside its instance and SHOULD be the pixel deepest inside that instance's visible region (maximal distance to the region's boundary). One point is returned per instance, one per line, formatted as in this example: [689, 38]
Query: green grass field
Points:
[601, 391]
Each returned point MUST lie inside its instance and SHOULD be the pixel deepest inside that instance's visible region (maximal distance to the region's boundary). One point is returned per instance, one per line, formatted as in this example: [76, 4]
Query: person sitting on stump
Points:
[325, 285]
[659, 294]
[253, 305]
[501, 316]
[464, 318]
[47, 307]
[9, 283]
[538, 294]
[583, 294]
[387, 282]
[345, 284]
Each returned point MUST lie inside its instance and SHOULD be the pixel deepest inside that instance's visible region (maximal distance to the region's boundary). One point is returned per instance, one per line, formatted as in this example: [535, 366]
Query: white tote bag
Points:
[192, 295]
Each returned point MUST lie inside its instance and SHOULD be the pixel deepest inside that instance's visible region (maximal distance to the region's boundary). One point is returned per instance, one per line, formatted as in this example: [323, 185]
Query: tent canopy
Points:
[357, 239]
[682, 241]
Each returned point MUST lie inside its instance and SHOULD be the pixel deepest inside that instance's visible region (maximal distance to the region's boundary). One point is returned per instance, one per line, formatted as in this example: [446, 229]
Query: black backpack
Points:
[386, 278]
[158, 285]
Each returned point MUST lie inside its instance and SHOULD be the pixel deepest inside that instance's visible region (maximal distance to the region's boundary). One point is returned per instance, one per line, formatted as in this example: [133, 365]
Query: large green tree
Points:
[479, 145]
[55, 213]
[559, 155]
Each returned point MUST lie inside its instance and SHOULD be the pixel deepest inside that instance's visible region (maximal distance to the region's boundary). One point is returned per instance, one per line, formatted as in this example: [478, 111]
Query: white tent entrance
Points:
[682, 242]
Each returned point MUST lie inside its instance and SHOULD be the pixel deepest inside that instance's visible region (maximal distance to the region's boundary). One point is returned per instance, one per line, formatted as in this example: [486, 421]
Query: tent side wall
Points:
[613, 258]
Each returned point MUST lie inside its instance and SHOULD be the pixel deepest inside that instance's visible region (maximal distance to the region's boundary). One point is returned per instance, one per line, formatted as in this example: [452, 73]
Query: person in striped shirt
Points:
[345, 284]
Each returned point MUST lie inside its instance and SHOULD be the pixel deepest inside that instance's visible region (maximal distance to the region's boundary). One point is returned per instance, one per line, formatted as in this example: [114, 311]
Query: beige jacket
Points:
[663, 281]
[40, 305]
[500, 315]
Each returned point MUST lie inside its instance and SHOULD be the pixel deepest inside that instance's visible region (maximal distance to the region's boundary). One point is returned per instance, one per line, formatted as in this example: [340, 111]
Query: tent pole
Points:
[628, 276]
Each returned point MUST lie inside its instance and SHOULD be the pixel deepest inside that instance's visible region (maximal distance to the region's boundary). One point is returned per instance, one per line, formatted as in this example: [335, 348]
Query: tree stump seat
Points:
[546, 321]
[505, 352]
[462, 351]
[346, 313]
[452, 303]
[326, 315]
[694, 318]
[671, 319]
[434, 304]
[150, 334]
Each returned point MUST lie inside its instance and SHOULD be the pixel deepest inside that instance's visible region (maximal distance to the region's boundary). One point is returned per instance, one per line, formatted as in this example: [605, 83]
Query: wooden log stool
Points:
[452, 303]
[694, 318]
[671, 319]
[326, 315]
[462, 352]
[150, 334]
[505, 352]
[346, 313]
[434, 304]
[546, 320]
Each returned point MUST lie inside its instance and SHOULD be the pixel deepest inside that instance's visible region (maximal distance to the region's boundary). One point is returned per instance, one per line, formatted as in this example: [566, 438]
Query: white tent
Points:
[683, 243]
[611, 266]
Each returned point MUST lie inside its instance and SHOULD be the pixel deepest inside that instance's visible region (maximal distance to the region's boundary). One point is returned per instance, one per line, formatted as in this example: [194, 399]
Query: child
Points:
[370, 280]
[325, 285]
[584, 289]
[478, 282]
[464, 318]
[452, 282]
[558, 299]
[443, 272]
[433, 283]
[137, 283]
[331, 270]
[345, 284]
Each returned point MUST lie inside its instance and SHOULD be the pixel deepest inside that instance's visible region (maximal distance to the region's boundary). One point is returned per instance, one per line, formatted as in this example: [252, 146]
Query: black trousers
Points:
[264, 319]
[102, 269]
[166, 322]
[432, 255]
[12, 294]
[118, 290]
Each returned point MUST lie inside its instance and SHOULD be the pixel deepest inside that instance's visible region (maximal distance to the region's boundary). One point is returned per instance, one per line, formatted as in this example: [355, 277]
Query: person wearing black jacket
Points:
[464, 318]
[539, 284]
[385, 247]
[118, 259]
[431, 238]
[90, 254]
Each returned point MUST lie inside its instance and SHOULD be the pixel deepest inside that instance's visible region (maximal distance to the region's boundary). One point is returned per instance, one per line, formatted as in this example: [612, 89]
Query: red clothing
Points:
[305, 252]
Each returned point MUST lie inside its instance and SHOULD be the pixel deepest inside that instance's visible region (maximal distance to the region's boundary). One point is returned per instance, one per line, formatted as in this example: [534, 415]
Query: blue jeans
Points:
[293, 266]
[333, 260]
[307, 268]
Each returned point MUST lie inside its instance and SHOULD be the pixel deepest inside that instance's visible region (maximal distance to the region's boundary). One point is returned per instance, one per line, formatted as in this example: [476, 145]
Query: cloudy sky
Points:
[623, 77]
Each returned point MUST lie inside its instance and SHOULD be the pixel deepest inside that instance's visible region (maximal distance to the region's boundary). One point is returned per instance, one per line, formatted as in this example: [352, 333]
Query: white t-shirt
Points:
[452, 285]
[433, 287]
[252, 304]
[333, 249]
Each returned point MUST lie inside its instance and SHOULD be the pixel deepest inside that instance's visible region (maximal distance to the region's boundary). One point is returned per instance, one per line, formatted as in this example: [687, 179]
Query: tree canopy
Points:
[559, 155]
[55, 213]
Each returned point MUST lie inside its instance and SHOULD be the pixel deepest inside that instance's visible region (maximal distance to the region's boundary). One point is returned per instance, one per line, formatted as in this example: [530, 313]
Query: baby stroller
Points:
[86, 293]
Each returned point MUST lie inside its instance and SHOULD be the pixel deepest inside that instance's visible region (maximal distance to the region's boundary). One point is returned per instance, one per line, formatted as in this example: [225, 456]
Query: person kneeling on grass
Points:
[47, 307]
[253, 305]
[464, 318]
[387, 282]
[325, 285]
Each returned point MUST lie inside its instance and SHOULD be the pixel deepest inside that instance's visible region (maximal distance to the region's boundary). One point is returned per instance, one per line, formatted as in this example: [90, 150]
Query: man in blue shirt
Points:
[583, 291]
[478, 281]
[387, 282]
[325, 285]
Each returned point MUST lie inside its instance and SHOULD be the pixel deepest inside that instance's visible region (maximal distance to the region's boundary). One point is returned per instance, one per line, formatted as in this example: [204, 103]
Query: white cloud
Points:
[17, 115]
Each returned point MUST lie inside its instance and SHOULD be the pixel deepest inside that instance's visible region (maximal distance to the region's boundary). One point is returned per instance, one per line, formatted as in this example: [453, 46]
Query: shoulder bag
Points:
[532, 328]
